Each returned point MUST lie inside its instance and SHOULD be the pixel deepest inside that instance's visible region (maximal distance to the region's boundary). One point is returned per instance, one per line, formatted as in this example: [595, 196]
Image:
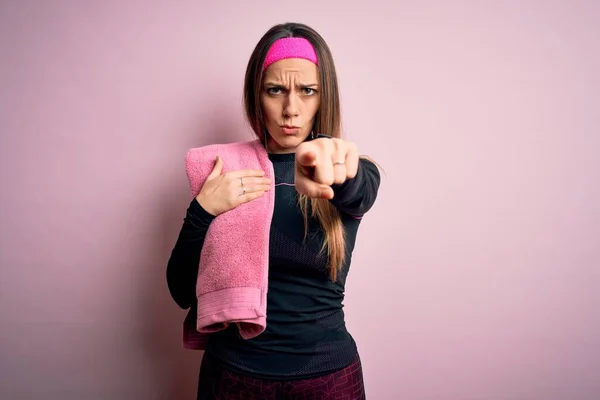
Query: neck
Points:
[272, 148]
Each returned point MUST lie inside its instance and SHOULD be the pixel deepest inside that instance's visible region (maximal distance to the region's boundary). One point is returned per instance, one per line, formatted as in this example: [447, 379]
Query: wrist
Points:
[202, 201]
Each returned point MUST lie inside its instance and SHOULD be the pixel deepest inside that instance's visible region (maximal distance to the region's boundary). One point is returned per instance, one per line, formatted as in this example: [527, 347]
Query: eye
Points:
[274, 90]
[309, 91]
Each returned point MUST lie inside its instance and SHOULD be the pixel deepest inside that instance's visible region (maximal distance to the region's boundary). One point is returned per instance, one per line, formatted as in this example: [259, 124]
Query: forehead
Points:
[298, 67]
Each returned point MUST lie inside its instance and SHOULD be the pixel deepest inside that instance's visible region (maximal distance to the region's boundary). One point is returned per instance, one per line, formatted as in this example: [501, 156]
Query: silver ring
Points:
[339, 163]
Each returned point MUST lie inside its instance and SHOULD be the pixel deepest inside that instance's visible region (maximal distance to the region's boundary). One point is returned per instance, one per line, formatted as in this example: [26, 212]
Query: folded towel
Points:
[233, 272]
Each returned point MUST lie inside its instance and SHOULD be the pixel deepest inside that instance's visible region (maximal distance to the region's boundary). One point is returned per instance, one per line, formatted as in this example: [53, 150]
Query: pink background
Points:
[476, 276]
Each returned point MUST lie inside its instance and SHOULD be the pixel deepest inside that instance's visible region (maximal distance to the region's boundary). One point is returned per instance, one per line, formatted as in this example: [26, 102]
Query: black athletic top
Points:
[306, 334]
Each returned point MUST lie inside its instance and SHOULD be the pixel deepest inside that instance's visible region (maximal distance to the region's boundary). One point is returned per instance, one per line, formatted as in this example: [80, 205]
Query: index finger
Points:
[324, 172]
[313, 189]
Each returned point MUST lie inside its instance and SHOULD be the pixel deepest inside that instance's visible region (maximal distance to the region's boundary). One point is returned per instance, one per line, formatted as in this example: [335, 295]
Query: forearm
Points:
[356, 196]
[182, 268]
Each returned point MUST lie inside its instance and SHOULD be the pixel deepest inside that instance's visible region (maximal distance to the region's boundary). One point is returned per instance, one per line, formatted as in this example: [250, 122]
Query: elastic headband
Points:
[291, 47]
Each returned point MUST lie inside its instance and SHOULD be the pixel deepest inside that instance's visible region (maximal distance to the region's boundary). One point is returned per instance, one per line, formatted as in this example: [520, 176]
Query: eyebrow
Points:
[304, 85]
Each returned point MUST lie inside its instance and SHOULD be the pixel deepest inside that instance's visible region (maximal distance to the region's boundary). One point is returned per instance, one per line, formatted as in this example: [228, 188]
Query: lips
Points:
[290, 129]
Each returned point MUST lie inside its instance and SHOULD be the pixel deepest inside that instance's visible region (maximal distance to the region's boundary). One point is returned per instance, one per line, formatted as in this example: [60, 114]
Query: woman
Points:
[322, 189]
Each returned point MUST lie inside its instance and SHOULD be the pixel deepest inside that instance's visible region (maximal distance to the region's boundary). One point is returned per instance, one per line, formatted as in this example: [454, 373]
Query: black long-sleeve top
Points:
[306, 335]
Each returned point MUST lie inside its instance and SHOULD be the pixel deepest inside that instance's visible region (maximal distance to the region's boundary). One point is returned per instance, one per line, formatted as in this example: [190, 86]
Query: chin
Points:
[289, 142]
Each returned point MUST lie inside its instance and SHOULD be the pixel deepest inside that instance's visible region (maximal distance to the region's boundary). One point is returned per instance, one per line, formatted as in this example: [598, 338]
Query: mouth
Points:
[290, 129]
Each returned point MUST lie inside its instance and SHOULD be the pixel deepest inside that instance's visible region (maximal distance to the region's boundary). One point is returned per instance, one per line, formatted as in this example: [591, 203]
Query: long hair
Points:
[327, 121]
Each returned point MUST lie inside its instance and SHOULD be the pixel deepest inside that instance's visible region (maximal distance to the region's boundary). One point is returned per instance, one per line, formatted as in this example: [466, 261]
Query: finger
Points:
[249, 197]
[251, 189]
[217, 169]
[339, 171]
[245, 173]
[307, 158]
[313, 189]
[352, 162]
[253, 181]
[324, 171]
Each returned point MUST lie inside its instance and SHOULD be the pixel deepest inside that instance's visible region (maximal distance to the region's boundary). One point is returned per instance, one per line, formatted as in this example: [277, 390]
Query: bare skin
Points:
[290, 99]
[223, 192]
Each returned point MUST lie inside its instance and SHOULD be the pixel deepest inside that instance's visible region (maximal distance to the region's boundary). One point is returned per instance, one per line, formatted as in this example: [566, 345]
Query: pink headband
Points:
[290, 47]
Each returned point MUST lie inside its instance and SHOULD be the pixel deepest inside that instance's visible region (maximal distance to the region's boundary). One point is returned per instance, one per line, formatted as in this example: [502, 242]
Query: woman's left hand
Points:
[323, 162]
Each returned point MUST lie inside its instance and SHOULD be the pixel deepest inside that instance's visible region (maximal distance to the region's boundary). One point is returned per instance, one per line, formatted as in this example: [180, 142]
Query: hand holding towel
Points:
[233, 272]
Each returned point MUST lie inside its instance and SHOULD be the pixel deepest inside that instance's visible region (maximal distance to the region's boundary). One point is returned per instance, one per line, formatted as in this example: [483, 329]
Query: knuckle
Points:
[304, 145]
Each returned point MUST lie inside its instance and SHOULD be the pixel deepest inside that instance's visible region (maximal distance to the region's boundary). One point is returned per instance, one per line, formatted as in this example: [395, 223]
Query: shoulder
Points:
[223, 149]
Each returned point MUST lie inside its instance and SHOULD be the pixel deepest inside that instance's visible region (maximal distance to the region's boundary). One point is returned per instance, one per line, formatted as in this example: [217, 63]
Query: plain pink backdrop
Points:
[477, 274]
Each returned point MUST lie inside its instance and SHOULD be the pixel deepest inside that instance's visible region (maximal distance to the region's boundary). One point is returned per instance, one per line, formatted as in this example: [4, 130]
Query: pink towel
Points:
[233, 272]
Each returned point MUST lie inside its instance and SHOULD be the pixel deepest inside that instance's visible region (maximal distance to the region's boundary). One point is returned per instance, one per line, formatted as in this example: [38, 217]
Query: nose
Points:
[290, 108]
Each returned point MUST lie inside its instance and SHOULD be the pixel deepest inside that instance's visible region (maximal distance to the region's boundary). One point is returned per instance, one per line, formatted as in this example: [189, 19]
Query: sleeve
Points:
[356, 196]
[182, 267]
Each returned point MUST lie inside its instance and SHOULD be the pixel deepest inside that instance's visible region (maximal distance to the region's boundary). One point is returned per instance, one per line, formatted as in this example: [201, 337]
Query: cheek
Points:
[269, 108]
[312, 107]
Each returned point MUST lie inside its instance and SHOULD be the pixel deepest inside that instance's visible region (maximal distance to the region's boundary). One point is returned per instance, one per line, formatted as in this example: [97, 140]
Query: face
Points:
[290, 99]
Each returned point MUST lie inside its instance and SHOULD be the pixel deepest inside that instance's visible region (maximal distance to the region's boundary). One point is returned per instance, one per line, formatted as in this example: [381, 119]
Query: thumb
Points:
[217, 169]
[307, 159]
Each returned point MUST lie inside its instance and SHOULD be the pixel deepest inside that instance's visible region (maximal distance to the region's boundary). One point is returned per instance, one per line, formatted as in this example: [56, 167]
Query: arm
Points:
[219, 193]
[356, 196]
[352, 189]
[182, 268]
